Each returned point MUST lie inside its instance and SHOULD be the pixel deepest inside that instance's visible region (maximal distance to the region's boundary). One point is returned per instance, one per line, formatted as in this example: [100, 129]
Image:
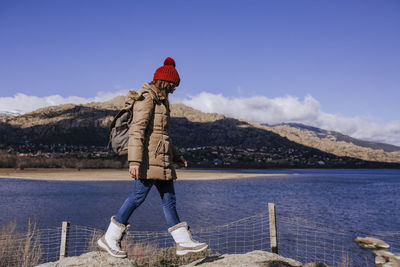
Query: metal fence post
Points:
[64, 240]
[272, 228]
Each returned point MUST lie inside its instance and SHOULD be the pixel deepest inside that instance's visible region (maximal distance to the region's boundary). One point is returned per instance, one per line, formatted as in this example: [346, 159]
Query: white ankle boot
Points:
[184, 241]
[111, 240]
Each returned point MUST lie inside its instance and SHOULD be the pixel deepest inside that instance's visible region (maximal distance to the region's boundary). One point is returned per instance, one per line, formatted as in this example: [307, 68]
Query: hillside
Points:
[208, 139]
[338, 144]
[337, 136]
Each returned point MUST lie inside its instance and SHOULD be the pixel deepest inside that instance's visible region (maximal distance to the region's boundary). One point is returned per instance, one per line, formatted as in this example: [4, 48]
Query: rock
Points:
[391, 264]
[371, 243]
[379, 260]
[91, 259]
[385, 258]
[250, 259]
[254, 258]
[382, 253]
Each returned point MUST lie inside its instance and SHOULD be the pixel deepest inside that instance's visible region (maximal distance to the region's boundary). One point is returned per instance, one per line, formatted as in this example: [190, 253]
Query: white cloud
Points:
[21, 103]
[261, 109]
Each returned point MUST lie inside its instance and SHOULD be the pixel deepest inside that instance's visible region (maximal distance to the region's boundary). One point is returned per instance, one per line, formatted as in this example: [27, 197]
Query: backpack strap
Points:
[132, 97]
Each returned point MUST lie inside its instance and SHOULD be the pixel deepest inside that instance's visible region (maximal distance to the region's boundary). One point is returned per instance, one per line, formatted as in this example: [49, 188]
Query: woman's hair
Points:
[162, 85]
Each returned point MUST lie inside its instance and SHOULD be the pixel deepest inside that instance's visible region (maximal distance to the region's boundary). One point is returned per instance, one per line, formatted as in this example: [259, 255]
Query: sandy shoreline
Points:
[115, 175]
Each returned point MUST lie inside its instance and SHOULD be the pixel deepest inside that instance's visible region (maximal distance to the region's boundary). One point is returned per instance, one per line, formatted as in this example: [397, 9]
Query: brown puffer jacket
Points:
[149, 143]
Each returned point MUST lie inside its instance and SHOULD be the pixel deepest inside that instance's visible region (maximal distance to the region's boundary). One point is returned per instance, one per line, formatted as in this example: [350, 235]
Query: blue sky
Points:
[336, 58]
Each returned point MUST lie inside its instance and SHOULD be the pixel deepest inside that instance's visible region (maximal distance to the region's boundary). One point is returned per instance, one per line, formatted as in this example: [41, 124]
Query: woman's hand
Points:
[134, 171]
[182, 162]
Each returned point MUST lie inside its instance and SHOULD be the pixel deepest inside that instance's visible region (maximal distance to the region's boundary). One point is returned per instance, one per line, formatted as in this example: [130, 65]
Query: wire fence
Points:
[297, 238]
[308, 241]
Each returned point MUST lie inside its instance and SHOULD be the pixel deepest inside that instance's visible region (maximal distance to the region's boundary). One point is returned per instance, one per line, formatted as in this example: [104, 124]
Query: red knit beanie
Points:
[167, 72]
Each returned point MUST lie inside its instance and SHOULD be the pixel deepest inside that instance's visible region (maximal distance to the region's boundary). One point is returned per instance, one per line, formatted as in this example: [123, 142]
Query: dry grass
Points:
[149, 254]
[168, 257]
[19, 249]
[92, 244]
[141, 253]
[346, 260]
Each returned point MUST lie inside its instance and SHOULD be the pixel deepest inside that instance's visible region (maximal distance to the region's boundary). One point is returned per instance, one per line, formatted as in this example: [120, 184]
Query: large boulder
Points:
[91, 259]
[254, 258]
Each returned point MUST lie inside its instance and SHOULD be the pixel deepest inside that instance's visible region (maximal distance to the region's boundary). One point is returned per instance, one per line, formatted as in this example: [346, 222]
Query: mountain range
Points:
[209, 139]
[8, 113]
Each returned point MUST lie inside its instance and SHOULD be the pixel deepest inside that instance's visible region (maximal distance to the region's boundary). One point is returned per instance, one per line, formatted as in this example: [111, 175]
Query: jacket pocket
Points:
[157, 150]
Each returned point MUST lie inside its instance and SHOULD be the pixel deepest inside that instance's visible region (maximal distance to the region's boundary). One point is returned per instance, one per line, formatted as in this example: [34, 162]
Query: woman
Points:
[150, 156]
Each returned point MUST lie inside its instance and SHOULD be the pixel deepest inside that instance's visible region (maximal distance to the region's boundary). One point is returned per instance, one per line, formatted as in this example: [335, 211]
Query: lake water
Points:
[364, 200]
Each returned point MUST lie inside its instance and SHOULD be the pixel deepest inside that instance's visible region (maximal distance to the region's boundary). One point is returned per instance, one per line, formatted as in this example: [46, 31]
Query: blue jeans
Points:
[140, 190]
